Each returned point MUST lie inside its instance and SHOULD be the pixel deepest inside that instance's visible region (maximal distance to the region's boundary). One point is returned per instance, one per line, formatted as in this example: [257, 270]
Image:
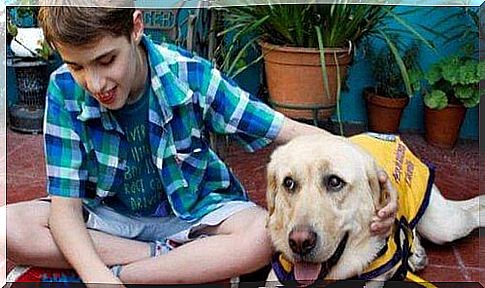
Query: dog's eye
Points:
[334, 183]
[289, 183]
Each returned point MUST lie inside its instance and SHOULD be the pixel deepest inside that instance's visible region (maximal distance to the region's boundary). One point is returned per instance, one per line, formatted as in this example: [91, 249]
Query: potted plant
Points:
[307, 48]
[32, 56]
[450, 87]
[386, 100]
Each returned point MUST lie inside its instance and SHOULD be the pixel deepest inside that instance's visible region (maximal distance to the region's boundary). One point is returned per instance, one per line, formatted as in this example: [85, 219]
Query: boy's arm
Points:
[71, 236]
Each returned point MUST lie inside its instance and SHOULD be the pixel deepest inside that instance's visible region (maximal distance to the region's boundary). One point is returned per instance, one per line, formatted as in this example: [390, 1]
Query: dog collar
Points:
[284, 269]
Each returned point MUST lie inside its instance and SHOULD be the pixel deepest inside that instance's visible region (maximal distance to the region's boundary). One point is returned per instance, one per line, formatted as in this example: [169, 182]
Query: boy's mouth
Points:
[107, 97]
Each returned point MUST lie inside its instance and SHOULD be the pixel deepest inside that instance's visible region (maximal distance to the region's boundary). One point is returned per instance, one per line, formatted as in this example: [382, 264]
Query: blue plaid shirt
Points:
[86, 148]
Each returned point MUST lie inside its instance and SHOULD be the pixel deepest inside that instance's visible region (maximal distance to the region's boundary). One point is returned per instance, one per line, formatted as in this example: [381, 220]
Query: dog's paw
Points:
[418, 260]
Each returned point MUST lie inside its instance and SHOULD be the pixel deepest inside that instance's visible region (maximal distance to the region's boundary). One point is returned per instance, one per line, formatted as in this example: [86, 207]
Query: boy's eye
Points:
[75, 67]
[107, 60]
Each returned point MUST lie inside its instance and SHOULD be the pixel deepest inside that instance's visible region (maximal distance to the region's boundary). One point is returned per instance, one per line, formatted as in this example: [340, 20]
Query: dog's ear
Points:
[272, 186]
[381, 192]
[375, 187]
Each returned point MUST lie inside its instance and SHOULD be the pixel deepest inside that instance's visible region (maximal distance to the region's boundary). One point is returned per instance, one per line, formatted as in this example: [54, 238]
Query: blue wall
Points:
[352, 104]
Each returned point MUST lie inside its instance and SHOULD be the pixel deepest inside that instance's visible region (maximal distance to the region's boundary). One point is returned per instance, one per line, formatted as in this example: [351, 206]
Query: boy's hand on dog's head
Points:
[383, 222]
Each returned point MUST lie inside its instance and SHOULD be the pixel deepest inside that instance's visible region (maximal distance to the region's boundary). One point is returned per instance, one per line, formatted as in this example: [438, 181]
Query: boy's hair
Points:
[78, 26]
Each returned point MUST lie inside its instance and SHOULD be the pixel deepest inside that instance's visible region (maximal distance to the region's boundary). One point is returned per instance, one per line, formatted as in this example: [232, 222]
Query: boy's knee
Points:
[16, 230]
[20, 222]
[17, 217]
[258, 237]
[256, 228]
[255, 220]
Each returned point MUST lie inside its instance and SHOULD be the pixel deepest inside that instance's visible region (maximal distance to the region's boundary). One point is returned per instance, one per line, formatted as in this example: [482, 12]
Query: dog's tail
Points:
[476, 207]
[448, 220]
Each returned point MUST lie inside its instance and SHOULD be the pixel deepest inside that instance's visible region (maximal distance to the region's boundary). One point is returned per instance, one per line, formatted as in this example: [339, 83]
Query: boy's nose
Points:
[94, 82]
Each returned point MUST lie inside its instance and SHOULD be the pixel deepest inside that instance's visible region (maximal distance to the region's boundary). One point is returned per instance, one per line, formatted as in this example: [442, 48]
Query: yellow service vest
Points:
[413, 180]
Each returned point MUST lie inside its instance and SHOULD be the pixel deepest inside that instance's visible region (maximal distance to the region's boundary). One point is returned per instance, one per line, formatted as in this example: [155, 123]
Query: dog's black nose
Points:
[302, 240]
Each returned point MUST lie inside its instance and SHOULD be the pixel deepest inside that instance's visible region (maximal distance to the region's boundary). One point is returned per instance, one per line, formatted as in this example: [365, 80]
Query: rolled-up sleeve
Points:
[228, 109]
[64, 155]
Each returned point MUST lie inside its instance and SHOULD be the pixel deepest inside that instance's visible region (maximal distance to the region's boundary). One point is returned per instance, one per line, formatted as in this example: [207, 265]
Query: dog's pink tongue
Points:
[306, 272]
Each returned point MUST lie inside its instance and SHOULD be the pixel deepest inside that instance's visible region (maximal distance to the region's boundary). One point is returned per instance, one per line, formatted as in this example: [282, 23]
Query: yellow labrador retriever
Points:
[322, 195]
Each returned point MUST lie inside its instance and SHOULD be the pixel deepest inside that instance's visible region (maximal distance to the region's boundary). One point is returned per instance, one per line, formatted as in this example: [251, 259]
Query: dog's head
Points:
[322, 194]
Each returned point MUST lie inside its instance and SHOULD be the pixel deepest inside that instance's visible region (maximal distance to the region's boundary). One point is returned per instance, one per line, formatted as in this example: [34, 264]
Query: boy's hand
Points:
[382, 224]
[71, 236]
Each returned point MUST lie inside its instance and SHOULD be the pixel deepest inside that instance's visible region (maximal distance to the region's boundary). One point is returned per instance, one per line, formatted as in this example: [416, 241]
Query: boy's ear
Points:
[138, 26]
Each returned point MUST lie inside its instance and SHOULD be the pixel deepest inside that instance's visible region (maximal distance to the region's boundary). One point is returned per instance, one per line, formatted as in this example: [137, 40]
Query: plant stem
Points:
[339, 119]
[27, 48]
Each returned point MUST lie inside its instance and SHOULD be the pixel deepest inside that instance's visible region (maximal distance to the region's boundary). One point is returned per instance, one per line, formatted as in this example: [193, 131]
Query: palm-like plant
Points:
[339, 25]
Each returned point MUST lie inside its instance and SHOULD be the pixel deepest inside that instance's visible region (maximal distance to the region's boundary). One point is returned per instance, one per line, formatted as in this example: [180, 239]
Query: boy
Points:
[131, 176]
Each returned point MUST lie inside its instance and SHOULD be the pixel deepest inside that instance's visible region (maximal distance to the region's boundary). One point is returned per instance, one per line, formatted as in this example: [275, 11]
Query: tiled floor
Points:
[457, 176]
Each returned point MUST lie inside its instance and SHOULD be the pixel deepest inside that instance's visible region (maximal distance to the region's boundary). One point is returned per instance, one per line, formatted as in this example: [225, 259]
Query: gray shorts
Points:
[170, 228]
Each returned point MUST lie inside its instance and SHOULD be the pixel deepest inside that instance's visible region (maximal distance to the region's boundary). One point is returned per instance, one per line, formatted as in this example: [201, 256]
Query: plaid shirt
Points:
[86, 148]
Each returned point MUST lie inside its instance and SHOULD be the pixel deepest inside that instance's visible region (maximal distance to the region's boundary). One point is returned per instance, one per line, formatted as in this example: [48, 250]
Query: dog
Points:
[322, 193]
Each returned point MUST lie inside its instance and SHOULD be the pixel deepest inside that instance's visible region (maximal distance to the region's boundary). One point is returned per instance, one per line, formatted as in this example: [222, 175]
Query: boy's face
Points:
[112, 69]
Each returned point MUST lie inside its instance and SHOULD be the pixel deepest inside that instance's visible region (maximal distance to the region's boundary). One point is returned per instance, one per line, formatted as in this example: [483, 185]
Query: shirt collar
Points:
[91, 109]
[170, 91]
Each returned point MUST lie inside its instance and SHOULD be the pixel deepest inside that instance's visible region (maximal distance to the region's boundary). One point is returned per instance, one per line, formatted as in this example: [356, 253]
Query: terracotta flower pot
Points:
[295, 83]
[443, 126]
[383, 113]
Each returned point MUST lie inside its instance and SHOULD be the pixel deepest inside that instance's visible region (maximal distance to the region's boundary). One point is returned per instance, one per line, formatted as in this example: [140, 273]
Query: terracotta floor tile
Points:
[477, 275]
[469, 250]
[457, 176]
[441, 273]
[25, 192]
[457, 284]
[250, 168]
[442, 255]
[481, 248]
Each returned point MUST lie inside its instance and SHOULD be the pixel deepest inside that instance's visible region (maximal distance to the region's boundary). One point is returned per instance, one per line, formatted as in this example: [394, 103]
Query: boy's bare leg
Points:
[241, 245]
[29, 241]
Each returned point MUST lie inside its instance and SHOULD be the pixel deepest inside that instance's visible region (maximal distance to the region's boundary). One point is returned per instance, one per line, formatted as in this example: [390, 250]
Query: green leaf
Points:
[472, 101]
[468, 95]
[12, 29]
[436, 99]
[415, 77]
[469, 73]
[481, 70]
[451, 73]
[322, 61]
[464, 92]
[457, 71]
[434, 74]
[242, 69]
